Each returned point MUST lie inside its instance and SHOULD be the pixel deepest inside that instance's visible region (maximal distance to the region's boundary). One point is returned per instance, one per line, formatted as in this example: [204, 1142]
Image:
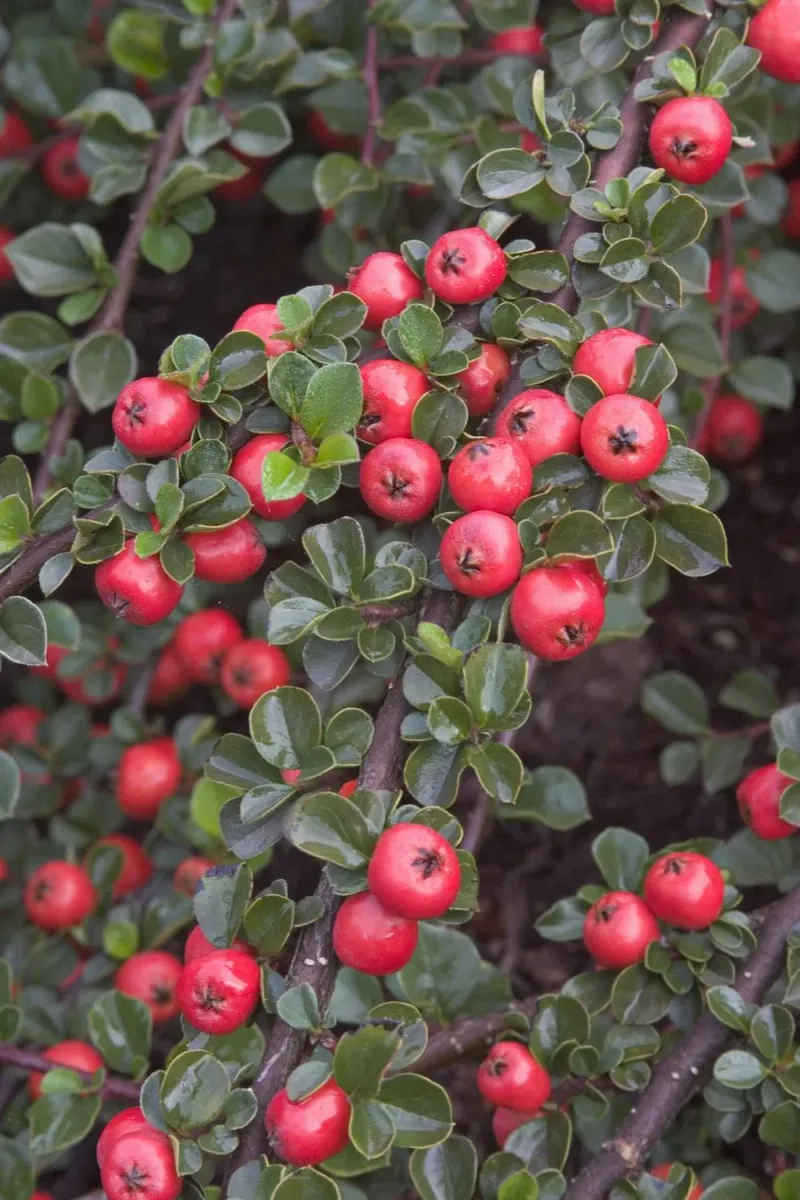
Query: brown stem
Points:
[725, 327]
[749, 731]
[470, 58]
[373, 91]
[381, 614]
[468, 1036]
[29, 1060]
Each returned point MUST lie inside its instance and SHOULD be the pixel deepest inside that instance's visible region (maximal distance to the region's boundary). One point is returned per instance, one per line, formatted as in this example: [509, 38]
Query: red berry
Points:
[401, 479]
[152, 976]
[14, 134]
[329, 138]
[130, 1120]
[775, 31]
[414, 872]
[247, 185]
[138, 590]
[391, 392]
[137, 868]
[148, 774]
[203, 639]
[618, 929]
[189, 873]
[543, 424]
[745, 306]
[512, 1077]
[198, 946]
[19, 724]
[61, 172]
[58, 895]
[252, 668]
[481, 553]
[784, 156]
[169, 678]
[759, 797]
[263, 321]
[662, 1172]
[600, 8]
[691, 137]
[386, 284]
[791, 217]
[141, 1166]
[609, 358]
[520, 39]
[41, 1196]
[685, 889]
[465, 266]
[313, 1129]
[557, 612]
[7, 236]
[506, 1120]
[733, 431]
[80, 1056]
[624, 438]
[154, 416]
[492, 474]
[481, 383]
[5, 872]
[589, 568]
[110, 676]
[348, 788]
[228, 555]
[369, 938]
[247, 468]
[218, 993]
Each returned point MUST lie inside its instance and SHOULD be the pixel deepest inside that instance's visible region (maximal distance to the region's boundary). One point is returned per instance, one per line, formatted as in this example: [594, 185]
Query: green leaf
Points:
[772, 1031]
[539, 270]
[639, 997]
[499, 769]
[10, 782]
[15, 524]
[621, 856]
[420, 332]
[695, 349]
[553, 796]
[677, 224]
[330, 827]
[449, 720]
[543, 1143]
[220, 900]
[362, 1058]
[509, 172]
[764, 380]
[305, 1079]
[238, 360]
[751, 692]
[340, 316]
[728, 1007]
[432, 772]
[579, 534]
[262, 131]
[677, 702]
[495, 679]
[338, 175]
[100, 366]
[683, 475]
[167, 247]
[23, 635]
[34, 340]
[285, 724]
[337, 450]
[447, 1171]
[692, 540]
[135, 41]
[50, 260]
[781, 1126]
[194, 1090]
[333, 401]
[16, 1171]
[60, 1121]
[299, 1007]
[305, 1184]
[203, 127]
[268, 922]
[419, 1108]
[121, 1028]
[338, 552]
[371, 1129]
[549, 323]
[678, 762]
[739, 1069]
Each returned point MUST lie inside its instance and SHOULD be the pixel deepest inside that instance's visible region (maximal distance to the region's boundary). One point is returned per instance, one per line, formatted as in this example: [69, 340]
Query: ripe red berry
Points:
[263, 321]
[557, 612]
[41, 1196]
[247, 185]
[218, 993]
[152, 976]
[512, 1077]
[662, 1172]
[520, 39]
[108, 677]
[138, 590]
[414, 872]
[141, 1166]
[154, 416]
[7, 236]
[313, 1129]
[80, 1056]
[589, 568]
[465, 266]
[189, 873]
[618, 929]
[401, 479]
[14, 134]
[600, 8]
[348, 788]
[543, 424]
[169, 678]
[791, 217]
[247, 467]
[391, 392]
[609, 358]
[58, 895]
[19, 725]
[198, 946]
[130, 1120]
[148, 774]
[506, 1120]
[484, 378]
[386, 284]
[228, 555]
[369, 938]
[492, 474]
[624, 438]
[783, 156]
[5, 872]
[203, 639]
[744, 306]
[685, 889]
[137, 867]
[61, 172]
[481, 553]
[775, 31]
[759, 799]
[733, 431]
[691, 137]
[251, 668]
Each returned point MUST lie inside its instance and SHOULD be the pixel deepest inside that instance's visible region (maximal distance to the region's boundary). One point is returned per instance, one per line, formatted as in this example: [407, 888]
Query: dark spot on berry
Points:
[467, 564]
[453, 261]
[624, 441]
[478, 450]
[682, 148]
[395, 486]
[370, 419]
[136, 412]
[208, 999]
[521, 420]
[429, 860]
[161, 994]
[135, 1177]
[573, 635]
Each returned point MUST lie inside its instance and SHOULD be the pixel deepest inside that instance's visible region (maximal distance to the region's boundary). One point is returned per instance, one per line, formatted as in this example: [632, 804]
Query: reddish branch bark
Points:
[373, 91]
[725, 327]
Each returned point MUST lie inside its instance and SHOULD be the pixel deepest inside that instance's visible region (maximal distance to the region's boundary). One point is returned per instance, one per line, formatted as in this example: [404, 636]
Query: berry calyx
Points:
[77, 1055]
[733, 431]
[490, 473]
[386, 284]
[391, 392]
[520, 39]
[130, 1120]
[251, 668]
[759, 800]
[228, 555]
[662, 1171]
[14, 134]
[484, 378]
[141, 1166]
[148, 774]
[617, 930]
[152, 976]
[465, 266]
[153, 417]
[685, 889]
[691, 137]
[512, 1077]
[481, 553]
[203, 639]
[264, 322]
[775, 30]
[557, 612]
[542, 423]
[414, 872]
[609, 358]
[369, 938]
[137, 867]
[218, 993]
[58, 895]
[61, 172]
[401, 479]
[169, 679]
[624, 438]
[506, 1120]
[309, 1131]
[138, 590]
[198, 946]
[189, 873]
[247, 468]
[745, 305]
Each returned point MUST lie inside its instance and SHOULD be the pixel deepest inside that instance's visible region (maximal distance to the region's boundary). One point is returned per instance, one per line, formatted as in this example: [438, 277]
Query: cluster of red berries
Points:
[413, 875]
[759, 799]
[682, 888]
[79, 689]
[516, 1083]
[136, 1160]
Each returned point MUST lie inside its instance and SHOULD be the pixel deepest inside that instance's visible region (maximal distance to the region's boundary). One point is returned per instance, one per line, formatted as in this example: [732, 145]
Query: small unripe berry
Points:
[58, 895]
[609, 358]
[618, 929]
[624, 438]
[228, 555]
[138, 590]
[414, 872]
[203, 639]
[137, 867]
[386, 284]
[691, 137]
[520, 39]
[733, 431]
[506, 1120]
[492, 474]
[512, 1077]
[542, 423]
[152, 976]
[481, 553]
[774, 29]
[662, 1172]
[263, 321]
[247, 468]
[401, 479]
[759, 799]
[218, 993]
[481, 383]
[309, 1131]
[141, 1165]
[391, 392]
[465, 266]
[189, 873]
[557, 612]
[61, 173]
[251, 668]
[148, 774]
[79, 1056]
[685, 889]
[154, 416]
[369, 938]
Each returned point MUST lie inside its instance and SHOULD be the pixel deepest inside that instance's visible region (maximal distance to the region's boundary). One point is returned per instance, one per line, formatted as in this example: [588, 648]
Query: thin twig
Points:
[468, 1035]
[373, 91]
[725, 328]
[29, 1060]
[470, 58]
